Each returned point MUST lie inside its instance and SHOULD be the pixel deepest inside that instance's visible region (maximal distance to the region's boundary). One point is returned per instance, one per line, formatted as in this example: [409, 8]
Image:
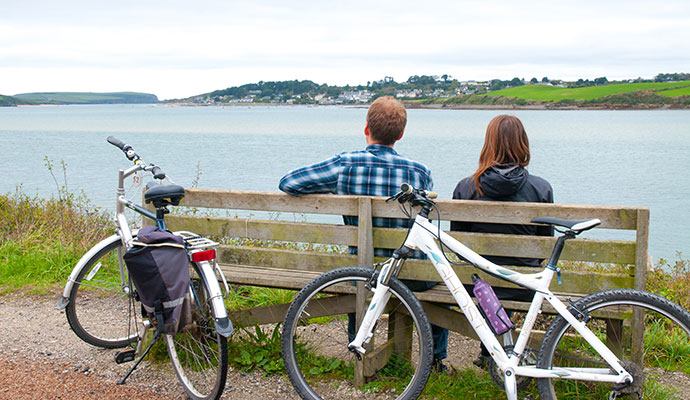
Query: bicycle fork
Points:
[376, 306]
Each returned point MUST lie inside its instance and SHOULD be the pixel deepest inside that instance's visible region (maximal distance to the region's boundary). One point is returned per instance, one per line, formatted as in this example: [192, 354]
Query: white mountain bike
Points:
[102, 305]
[590, 350]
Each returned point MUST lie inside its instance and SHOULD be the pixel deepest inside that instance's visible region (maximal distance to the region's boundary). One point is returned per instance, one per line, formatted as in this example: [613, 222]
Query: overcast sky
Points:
[177, 49]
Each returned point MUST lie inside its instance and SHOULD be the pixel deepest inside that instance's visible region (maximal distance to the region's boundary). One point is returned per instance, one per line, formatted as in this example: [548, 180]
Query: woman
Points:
[501, 176]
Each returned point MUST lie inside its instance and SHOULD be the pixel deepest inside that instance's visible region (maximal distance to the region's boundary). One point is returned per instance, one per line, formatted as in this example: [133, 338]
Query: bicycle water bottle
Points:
[490, 307]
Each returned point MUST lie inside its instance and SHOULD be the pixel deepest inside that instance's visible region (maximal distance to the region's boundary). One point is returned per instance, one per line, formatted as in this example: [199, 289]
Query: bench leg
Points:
[614, 337]
[638, 336]
[400, 331]
[360, 307]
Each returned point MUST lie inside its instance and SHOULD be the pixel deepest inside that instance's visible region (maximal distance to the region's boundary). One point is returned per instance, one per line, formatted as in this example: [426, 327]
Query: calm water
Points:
[627, 158]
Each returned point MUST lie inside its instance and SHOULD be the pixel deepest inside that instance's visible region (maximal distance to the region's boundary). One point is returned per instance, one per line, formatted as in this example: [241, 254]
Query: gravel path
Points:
[41, 358]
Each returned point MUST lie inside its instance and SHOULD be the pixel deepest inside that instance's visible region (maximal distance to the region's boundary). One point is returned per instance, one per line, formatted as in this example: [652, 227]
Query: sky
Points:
[177, 49]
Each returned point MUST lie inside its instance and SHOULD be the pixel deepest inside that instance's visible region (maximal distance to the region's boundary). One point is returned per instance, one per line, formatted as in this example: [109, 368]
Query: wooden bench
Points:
[293, 269]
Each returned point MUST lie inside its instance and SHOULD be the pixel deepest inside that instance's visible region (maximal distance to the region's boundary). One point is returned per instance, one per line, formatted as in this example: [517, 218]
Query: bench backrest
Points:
[366, 237]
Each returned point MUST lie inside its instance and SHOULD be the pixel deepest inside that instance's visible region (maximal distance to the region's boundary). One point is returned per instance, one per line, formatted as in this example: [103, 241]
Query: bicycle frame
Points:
[422, 236]
[207, 268]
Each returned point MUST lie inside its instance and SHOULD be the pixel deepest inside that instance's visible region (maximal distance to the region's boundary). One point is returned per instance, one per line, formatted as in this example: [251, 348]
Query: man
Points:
[377, 170]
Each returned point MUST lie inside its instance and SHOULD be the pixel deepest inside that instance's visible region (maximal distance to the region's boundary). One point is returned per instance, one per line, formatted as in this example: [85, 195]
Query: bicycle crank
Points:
[629, 388]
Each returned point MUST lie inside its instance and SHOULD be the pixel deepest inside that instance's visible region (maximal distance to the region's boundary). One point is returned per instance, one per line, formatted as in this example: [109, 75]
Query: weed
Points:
[257, 350]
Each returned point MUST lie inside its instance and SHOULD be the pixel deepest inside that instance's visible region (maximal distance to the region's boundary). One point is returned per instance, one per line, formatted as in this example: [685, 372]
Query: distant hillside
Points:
[10, 101]
[641, 95]
[88, 98]
[553, 93]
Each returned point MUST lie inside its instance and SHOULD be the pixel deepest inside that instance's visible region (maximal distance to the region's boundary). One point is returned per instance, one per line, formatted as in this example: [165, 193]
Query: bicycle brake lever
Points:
[394, 197]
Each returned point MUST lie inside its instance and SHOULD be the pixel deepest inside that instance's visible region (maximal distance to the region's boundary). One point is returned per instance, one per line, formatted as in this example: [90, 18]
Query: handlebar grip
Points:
[158, 172]
[116, 142]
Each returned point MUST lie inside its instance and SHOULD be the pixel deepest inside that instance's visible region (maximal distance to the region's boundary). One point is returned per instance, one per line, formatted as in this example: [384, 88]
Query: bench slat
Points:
[620, 252]
[457, 210]
[414, 269]
[270, 201]
[518, 213]
[266, 230]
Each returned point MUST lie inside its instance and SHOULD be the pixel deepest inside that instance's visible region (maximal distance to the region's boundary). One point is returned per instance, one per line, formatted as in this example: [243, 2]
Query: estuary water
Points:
[626, 158]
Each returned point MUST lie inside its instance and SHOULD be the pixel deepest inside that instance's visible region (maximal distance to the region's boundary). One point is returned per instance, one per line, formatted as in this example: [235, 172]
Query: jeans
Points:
[440, 335]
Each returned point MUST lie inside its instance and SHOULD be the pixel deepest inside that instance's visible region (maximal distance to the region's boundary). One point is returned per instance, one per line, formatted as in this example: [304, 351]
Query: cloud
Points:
[175, 48]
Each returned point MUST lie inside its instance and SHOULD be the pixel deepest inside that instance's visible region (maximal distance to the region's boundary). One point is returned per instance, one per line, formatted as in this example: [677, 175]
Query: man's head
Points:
[386, 121]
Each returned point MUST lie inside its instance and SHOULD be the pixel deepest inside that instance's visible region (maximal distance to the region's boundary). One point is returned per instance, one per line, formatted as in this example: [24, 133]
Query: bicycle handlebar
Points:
[409, 193]
[132, 156]
[117, 143]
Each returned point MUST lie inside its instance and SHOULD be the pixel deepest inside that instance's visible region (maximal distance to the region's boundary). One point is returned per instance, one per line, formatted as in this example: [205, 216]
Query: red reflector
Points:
[204, 255]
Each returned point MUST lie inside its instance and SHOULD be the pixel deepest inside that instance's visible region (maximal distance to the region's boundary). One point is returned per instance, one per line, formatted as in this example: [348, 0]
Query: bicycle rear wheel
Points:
[199, 354]
[100, 310]
[666, 351]
[315, 339]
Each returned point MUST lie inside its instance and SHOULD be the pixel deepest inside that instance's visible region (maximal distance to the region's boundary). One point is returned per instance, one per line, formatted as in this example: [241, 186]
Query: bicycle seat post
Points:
[556, 253]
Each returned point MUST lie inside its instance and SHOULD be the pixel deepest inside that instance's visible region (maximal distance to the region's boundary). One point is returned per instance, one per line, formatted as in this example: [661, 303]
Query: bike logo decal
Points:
[435, 256]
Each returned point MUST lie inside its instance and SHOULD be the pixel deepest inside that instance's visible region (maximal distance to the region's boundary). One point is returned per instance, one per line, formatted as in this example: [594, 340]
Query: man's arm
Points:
[316, 178]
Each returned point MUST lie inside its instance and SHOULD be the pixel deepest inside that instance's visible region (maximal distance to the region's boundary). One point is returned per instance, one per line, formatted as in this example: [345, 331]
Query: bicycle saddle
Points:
[162, 195]
[575, 225]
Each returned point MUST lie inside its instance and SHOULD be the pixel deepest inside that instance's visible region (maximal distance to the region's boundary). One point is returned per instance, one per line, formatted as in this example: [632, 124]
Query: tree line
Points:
[305, 91]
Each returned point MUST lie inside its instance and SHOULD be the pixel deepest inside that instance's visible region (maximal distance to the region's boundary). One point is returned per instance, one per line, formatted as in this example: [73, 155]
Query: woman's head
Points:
[505, 143]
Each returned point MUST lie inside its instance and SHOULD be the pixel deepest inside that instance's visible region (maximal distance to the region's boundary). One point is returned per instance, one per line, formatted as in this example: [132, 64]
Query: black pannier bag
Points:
[159, 268]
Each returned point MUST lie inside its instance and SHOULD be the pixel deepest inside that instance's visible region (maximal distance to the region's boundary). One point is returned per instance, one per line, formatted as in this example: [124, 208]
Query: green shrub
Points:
[671, 280]
[42, 239]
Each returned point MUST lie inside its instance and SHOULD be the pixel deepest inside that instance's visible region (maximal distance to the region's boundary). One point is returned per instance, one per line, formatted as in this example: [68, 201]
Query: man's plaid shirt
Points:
[376, 171]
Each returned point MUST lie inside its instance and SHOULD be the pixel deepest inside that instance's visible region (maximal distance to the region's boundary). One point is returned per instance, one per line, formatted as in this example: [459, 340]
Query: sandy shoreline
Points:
[408, 105]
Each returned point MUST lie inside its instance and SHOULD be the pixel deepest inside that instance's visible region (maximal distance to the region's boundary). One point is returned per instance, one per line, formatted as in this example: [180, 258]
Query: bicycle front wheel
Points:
[315, 338]
[199, 354]
[100, 308]
[609, 314]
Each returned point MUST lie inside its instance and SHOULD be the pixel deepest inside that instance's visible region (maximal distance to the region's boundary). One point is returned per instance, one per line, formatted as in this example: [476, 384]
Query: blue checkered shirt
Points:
[376, 171]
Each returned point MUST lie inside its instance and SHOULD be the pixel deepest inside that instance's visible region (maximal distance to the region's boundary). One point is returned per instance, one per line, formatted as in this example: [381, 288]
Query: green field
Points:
[554, 93]
[685, 91]
[88, 98]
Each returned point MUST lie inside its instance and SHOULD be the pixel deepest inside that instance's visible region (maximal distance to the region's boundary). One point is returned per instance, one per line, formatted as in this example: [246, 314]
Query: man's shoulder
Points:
[391, 158]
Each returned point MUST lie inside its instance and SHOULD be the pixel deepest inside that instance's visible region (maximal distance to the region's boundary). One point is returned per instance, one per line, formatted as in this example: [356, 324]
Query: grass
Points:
[685, 91]
[42, 239]
[555, 94]
[245, 297]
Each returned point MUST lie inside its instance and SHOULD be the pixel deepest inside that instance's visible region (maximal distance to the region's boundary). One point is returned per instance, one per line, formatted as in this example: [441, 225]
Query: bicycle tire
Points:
[100, 308]
[315, 338]
[666, 340]
[199, 355]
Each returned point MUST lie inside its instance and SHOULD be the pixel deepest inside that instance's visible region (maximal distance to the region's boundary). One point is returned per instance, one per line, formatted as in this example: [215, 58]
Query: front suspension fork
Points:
[375, 308]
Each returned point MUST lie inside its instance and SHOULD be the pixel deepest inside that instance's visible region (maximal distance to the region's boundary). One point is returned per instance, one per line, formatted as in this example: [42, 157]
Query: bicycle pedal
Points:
[125, 356]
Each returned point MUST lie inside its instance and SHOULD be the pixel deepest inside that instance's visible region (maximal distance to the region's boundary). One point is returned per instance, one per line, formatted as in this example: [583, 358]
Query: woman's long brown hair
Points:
[505, 143]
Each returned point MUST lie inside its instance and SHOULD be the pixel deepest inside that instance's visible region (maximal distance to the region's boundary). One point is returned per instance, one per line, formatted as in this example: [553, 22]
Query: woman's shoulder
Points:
[464, 189]
[538, 181]
[541, 188]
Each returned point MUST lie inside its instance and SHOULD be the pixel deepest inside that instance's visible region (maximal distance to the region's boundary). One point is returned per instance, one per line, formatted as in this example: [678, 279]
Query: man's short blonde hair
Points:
[386, 119]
